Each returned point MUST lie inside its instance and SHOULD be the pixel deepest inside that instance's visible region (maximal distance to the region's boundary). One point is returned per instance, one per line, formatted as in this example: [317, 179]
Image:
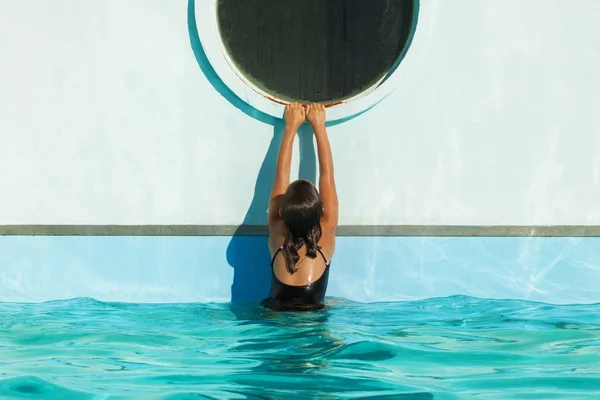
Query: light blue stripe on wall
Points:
[204, 269]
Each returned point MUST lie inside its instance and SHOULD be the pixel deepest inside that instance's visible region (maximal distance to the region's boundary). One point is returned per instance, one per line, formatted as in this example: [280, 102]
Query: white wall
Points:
[106, 118]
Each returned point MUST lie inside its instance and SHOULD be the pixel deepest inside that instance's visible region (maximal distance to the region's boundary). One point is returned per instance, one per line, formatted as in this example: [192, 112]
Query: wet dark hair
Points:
[301, 210]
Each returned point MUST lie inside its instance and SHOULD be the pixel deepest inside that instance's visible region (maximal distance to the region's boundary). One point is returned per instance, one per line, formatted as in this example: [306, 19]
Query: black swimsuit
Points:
[287, 297]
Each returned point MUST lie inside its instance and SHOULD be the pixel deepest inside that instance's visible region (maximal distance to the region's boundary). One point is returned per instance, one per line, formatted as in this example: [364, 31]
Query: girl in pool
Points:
[302, 220]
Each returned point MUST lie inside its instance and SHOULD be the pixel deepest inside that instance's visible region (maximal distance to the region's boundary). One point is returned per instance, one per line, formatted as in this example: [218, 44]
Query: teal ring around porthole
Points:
[214, 48]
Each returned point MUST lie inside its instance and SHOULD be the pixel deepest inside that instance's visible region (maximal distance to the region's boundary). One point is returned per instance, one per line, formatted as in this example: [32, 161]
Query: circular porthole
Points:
[346, 54]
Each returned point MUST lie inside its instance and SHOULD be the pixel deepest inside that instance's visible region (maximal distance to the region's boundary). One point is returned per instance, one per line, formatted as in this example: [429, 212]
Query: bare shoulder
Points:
[277, 235]
[328, 228]
[327, 242]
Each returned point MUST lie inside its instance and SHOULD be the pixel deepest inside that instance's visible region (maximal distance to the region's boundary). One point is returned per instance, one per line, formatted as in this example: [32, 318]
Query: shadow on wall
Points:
[249, 255]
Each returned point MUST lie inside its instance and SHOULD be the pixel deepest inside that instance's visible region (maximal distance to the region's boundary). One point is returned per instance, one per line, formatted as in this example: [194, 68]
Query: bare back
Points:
[308, 270]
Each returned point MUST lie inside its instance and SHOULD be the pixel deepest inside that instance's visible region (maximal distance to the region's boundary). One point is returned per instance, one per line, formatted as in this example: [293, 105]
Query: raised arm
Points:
[316, 117]
[294, 117]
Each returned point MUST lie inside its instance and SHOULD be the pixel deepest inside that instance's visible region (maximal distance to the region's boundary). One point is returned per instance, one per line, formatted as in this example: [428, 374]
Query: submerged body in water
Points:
[449, 348]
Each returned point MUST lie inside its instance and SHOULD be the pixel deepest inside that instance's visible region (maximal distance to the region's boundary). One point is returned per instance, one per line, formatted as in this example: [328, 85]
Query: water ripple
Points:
[449, 348]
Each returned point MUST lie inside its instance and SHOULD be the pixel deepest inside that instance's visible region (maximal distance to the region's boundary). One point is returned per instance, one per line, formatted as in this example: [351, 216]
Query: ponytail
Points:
[295, 243]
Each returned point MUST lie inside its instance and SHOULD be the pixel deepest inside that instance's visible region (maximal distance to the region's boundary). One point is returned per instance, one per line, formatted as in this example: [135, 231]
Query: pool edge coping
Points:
[343, 230]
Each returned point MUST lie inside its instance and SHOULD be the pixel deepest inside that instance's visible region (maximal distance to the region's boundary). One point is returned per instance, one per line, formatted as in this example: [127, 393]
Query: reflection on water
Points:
[435, 349]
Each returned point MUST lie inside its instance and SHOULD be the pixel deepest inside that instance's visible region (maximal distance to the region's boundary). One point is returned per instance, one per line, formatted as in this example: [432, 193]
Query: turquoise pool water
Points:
[450, 348]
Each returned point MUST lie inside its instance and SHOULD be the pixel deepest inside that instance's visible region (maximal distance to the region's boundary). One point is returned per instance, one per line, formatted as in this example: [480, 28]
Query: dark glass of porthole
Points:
[321, 51]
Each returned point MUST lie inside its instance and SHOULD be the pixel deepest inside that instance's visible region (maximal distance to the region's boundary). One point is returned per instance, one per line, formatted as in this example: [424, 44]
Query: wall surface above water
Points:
[107, 118]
